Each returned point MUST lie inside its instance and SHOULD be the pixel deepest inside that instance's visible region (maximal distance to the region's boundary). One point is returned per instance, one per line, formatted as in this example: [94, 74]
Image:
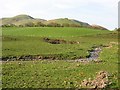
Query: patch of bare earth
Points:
[111, 44]
[59, 41]
[101, 81]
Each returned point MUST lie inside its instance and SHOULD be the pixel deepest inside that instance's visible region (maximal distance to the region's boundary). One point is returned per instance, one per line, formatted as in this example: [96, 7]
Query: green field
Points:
[19, 41]
[58, 73]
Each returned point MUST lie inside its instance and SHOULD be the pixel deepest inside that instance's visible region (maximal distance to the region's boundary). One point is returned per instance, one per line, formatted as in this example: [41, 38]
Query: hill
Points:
[67, 22]
[20, 20]
[28, 21]
[98, 27]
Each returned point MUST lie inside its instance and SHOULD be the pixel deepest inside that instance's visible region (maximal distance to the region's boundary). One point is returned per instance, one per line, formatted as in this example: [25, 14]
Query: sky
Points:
[100, 12]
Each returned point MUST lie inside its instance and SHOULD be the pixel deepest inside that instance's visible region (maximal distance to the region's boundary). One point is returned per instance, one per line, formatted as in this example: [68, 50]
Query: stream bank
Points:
[93, 56]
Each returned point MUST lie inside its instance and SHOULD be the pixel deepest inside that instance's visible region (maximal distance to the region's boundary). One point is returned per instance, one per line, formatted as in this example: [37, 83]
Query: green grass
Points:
[19, 41]
[51, 31]
[60, 73]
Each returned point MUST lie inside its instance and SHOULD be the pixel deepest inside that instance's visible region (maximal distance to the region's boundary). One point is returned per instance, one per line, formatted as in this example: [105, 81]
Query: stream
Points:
[93, 55]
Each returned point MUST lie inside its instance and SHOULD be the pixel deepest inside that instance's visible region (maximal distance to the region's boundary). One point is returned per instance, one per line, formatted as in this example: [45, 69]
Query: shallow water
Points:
[94, 54]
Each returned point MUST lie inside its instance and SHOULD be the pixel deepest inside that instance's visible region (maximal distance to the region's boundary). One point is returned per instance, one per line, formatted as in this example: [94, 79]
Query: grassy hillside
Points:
[20, 20]
[26, 20]
[51, 31]
[16, 19]
[66, 21]
[18, 41]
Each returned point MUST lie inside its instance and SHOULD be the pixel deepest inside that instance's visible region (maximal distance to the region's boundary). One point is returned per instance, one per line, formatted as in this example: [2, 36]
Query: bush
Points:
[52, 24]
[9, 25]
[29, 24]
[39, 24]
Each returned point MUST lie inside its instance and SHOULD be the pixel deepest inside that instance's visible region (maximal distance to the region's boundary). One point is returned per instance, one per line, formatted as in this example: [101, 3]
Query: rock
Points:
[101, 81]
[78, 65]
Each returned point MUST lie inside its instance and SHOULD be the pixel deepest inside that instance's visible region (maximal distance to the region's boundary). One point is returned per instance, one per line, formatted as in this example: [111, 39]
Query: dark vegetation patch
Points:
[7, 38]
[59, 41]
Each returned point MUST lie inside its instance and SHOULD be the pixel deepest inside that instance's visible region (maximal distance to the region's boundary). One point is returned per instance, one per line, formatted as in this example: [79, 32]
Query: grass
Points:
[58, 73]
[19, 41]
[51, 31]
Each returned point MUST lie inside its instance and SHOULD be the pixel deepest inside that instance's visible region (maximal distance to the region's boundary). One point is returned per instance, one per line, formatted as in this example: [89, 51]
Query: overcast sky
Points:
[101, 12]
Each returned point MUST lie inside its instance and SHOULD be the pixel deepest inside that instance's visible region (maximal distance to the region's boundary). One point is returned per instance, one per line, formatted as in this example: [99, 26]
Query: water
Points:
[94, 54]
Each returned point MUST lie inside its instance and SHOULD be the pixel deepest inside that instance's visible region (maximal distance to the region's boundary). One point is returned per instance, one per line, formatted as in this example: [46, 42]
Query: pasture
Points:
[61, 72]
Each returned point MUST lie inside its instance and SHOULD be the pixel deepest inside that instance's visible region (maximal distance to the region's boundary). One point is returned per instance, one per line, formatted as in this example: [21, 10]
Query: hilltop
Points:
[26, 20]
[20, 20]
[68, 22]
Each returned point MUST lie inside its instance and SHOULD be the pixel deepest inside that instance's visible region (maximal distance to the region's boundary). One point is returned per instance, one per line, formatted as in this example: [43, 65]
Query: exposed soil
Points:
[28, 57]
[59, 41]
[110, 45]
[101, 81]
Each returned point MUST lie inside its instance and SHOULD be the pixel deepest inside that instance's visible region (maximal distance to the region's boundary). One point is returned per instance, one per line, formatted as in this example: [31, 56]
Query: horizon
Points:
[91, 11]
